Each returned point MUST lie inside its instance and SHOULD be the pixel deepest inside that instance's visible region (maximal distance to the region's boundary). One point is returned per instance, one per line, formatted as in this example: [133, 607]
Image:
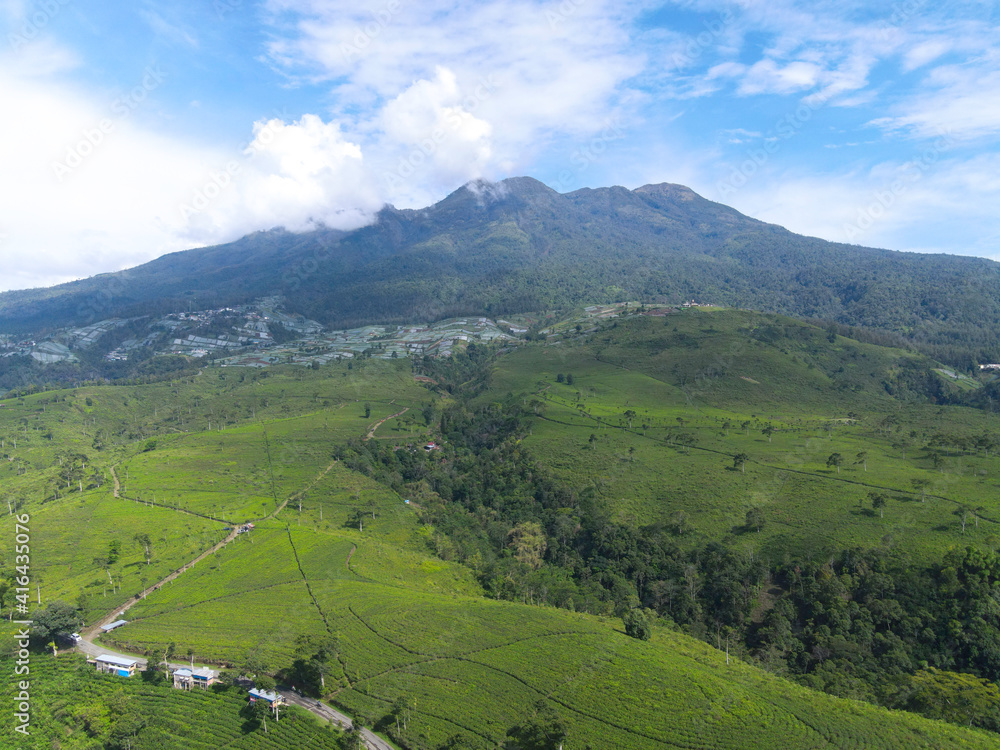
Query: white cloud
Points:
[932, 202]
[97, 191]
[767, 77]
[299, 175]
[518, 73]
[925, 52]
[960, 100]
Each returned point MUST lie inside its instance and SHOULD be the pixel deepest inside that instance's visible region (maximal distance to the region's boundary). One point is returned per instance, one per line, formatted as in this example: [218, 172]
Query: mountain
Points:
[517, 245]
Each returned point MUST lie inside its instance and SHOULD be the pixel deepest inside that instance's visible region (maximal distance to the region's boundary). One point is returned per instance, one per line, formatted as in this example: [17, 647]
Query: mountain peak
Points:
[493, 192]
[669, 190]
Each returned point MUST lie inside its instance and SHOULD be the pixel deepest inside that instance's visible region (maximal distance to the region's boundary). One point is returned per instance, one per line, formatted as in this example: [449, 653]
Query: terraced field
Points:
[665, 437]
[83, 705]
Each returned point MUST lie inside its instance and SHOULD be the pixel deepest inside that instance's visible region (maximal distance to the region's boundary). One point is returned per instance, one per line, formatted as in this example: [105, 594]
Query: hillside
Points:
[338, 561]
[670, 401]
[516, 246]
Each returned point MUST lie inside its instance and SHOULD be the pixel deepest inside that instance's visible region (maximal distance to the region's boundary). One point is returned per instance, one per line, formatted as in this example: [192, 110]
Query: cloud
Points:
[961, 100]
[300, 175]
[767, 77]
[925, 52]
[523, 74]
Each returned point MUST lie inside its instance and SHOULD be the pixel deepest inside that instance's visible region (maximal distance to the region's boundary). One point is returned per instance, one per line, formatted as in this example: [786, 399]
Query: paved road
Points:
[87, 645]
[322, 710]
[372, 740]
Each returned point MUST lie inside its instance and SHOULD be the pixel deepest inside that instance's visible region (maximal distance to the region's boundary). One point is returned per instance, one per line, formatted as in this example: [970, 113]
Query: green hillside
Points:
[487, 609]
[670, 403]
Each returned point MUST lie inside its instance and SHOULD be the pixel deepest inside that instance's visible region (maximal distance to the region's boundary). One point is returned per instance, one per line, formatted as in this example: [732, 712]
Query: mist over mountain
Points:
[517, 245]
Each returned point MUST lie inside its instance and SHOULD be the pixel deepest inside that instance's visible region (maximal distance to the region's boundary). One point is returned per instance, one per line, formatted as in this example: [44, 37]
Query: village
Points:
[262, 334]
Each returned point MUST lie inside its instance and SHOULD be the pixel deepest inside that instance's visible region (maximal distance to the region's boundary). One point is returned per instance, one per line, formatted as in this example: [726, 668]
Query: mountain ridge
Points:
[518, 245]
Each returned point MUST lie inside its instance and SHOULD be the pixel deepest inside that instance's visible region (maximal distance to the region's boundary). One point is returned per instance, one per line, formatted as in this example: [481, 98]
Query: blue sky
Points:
[135, 129]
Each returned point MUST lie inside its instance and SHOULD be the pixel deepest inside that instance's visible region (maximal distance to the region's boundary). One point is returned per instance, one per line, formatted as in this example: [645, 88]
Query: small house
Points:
[118, 665]
[113, 625]
[273, 699]
[185, 679]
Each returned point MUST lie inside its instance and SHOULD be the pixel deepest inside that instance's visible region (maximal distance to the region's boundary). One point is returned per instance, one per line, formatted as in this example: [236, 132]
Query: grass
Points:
[649, 472]
[408, 624]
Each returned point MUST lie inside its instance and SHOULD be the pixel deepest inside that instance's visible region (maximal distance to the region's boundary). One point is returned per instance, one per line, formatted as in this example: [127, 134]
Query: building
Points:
[185, 679]
[112, 625]
[274, 699]
[118, 665]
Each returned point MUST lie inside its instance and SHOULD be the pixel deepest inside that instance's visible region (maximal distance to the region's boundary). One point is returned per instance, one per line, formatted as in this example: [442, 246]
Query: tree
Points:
[569, 378]
[963, 514]
[56, 621]
[368, 410]
[879, 502]
[637, 625]
[560, 378]
[901, 445]
[746, 426]
[401, 709]
[527, 539]
[922, 485]
[545, 730]
[725, 427]
[755, 519]
[862, 458]
[740, 460]
[680, 523]
[836, 460]
[167, 653]
[959, 698]
[767, 432]
[629, 416]
[144, 541]
[259, 710]
[358, 514]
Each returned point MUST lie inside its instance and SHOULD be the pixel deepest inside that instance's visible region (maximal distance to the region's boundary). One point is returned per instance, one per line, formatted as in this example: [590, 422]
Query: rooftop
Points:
[117, 660]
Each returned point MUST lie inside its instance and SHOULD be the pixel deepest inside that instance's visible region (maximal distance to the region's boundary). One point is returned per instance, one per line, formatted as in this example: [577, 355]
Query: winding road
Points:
[87, 645]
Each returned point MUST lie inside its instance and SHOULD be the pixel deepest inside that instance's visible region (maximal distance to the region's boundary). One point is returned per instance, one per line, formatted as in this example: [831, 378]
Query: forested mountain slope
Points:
[517, 245]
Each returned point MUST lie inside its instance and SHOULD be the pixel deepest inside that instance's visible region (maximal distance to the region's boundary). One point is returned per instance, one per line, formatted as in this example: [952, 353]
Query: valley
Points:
[460, 587]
